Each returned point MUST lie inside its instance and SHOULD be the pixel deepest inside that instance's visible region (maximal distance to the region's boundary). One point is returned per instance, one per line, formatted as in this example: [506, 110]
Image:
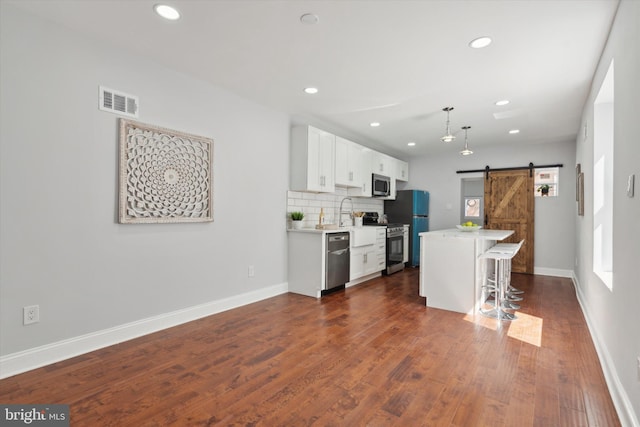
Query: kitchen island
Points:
[451, 274]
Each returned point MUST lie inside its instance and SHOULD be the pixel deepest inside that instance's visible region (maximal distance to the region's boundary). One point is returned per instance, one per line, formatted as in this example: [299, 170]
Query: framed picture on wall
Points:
[578, 170]
[581, 194]
[165, 175]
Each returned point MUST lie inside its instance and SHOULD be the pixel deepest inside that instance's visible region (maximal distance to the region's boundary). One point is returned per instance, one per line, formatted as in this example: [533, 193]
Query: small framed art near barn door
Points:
[165, 175]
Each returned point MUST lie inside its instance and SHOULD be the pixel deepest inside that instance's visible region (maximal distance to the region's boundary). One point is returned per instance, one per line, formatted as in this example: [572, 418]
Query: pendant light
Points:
[466, 150]
[448, 137]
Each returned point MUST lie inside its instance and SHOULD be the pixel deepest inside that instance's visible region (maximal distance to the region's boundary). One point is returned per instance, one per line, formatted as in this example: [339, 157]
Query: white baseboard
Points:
[16, 363]
[620, 399]
[556, 272]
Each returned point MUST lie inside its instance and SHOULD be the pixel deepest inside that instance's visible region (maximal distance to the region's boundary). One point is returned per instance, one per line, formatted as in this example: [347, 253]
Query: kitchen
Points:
[187, 266]
[368, 182]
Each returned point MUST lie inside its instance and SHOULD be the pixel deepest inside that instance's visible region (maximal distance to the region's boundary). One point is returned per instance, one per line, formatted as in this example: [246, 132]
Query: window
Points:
[603, 139]
[546, 182]
[472, 200]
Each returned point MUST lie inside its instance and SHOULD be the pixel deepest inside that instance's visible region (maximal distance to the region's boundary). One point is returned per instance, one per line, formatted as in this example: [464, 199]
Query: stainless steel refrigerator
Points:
[410, 207]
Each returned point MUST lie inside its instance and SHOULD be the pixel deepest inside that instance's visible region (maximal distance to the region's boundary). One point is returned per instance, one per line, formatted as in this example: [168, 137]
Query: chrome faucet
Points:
[349, 212]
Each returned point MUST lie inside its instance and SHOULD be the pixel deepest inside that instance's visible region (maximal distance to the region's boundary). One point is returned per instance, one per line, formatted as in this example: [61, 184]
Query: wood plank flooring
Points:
[371, 355]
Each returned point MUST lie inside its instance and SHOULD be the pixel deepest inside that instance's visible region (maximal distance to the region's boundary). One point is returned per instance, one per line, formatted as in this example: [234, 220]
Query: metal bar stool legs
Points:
[505, 294]
[500, 286]
[511, 291]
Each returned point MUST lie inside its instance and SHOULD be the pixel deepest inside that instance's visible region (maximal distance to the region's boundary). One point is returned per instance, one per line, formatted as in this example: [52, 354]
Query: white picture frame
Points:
[166, 176]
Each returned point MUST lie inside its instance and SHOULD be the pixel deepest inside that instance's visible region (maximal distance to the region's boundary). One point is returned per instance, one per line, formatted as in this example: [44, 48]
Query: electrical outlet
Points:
[31, 314]
[252, 271]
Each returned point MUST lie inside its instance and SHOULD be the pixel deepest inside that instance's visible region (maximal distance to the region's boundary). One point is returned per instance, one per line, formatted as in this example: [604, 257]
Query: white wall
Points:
[613, 315]
[61, 245]
[554, 251]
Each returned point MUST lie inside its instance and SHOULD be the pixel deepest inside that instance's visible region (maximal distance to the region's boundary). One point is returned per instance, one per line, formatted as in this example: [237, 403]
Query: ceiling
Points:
[395, 62]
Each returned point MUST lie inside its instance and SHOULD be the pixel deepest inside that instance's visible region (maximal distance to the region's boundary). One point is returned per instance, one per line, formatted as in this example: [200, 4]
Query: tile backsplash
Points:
[311, 203]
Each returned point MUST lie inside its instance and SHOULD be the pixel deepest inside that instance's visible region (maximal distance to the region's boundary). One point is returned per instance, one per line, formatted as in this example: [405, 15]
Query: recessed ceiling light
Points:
[374, 124]
[411, 144]
[309, 19]
[514, 131]
[480, 42]
[311, 90]
[167, 12]
[502, 102]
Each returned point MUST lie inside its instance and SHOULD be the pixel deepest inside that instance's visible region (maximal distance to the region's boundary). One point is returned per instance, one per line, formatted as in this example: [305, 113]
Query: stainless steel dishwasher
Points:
[338, 260]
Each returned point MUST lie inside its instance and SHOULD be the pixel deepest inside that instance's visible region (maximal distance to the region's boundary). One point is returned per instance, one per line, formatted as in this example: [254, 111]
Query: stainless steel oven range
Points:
[395, 241]
[395, 248]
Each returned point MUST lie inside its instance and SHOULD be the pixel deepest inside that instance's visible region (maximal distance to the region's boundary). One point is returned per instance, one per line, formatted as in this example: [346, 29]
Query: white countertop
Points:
[319, 231]
[480, 234]
[337, 230]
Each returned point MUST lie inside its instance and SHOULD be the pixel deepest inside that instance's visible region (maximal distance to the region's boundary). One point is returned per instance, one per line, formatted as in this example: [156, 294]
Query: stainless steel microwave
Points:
[380, 185]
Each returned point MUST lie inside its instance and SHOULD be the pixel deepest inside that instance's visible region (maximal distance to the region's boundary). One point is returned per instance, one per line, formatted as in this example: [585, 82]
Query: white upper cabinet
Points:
[353, 167]
[362, 184]
[348, 163]
[383, 164]
[321, 160]
[312, 160]
[402, 171]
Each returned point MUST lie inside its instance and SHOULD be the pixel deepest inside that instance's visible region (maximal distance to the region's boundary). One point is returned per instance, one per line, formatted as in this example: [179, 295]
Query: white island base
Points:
[451, 274]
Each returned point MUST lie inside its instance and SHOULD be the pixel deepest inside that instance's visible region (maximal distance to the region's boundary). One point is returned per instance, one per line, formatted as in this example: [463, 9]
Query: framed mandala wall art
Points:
[165, 175]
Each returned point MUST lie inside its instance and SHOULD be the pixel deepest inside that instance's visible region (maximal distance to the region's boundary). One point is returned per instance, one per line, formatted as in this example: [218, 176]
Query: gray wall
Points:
[555, 217]
[61, 246]
[613, 315]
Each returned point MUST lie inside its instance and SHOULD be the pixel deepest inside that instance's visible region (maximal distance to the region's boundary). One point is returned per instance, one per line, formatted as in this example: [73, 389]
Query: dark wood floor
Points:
[372, 355]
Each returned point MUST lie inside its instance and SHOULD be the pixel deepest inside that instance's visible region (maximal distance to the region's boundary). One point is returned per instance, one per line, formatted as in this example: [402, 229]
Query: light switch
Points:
[630, 185]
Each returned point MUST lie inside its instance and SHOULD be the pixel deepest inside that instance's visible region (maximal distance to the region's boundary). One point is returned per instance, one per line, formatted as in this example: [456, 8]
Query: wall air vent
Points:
[118, 102]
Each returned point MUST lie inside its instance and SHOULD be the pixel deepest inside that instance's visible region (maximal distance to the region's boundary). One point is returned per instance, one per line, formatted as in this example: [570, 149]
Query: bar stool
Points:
[511, 291]
[502, 260]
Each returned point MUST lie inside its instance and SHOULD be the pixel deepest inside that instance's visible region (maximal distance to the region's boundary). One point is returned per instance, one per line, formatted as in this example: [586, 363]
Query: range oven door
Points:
[395, 251]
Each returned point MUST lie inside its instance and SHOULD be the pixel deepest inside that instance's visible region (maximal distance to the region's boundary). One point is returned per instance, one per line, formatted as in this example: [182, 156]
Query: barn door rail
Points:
[531, 167]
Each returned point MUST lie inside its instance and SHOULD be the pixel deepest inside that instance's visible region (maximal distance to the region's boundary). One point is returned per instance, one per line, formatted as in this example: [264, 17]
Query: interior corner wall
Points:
[554, 250]
[613, 315]
[61, 245]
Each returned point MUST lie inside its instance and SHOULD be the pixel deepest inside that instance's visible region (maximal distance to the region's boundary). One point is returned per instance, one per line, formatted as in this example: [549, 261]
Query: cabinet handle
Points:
[365, 258]
[350, 176]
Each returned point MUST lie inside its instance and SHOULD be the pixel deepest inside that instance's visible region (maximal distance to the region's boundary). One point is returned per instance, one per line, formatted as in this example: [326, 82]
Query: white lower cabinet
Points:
[356, 269]
[364, 261]
[368, 256]
[405, 249]
[381, 248]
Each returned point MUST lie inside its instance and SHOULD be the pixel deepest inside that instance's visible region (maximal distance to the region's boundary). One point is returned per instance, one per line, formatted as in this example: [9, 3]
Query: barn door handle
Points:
[486, 220]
